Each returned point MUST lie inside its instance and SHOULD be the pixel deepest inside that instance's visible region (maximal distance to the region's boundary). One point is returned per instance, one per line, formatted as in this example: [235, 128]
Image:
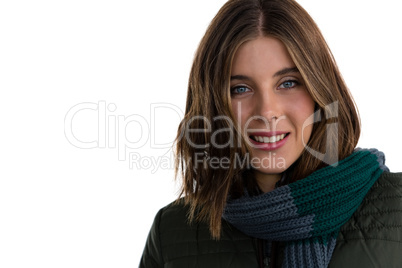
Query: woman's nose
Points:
[268, 106]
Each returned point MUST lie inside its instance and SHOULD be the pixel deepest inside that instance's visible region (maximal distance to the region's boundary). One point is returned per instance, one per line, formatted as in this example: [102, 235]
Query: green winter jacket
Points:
[371, 238]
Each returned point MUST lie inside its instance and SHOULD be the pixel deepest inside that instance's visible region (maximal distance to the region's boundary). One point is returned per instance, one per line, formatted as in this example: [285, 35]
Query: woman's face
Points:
[271, 103]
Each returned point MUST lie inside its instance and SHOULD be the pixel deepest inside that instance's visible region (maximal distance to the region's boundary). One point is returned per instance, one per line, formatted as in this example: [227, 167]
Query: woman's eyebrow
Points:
[240, 77]
[286, 71]
[278, 73]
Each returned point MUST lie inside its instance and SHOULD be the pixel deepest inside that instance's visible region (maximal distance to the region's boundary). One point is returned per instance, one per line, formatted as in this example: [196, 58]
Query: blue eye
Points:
[288, 84]
[239, 90]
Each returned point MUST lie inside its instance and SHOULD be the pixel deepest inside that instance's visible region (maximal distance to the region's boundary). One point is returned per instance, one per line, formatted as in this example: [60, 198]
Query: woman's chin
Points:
[270, 171]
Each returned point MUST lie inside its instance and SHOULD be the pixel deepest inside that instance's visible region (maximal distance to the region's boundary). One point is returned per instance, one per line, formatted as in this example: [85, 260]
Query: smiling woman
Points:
[274, 103]
[264, 88]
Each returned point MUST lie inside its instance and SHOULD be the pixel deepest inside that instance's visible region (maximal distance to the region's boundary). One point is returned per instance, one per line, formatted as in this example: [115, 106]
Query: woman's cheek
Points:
[241, 111]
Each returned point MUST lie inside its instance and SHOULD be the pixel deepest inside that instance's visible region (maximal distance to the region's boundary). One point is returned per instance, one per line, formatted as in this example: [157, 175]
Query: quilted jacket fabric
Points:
[371, 238]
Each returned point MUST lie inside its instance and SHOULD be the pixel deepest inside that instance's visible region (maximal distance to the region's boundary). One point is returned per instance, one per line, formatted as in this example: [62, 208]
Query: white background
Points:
[63, 206]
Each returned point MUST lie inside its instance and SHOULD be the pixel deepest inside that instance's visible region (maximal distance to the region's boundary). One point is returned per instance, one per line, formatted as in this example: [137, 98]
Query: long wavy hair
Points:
[209, 120]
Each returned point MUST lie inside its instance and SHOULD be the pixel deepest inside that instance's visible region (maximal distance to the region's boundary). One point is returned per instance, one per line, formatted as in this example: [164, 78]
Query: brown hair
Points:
[208, 106]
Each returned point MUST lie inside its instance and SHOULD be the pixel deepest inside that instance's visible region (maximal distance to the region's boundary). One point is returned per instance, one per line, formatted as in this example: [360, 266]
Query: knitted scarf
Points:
[308, 214]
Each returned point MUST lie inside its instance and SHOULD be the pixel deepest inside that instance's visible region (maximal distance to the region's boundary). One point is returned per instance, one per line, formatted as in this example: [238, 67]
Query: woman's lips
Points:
[269, 140]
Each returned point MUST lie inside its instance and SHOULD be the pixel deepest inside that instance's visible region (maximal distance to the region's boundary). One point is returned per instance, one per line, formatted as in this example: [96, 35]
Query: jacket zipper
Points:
[265, 261]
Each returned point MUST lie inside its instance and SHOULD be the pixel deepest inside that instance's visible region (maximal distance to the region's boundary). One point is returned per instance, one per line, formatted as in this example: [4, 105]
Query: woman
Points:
[267, 152]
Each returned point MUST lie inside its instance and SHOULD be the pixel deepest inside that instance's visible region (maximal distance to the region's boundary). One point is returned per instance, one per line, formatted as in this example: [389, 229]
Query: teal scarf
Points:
[309, 213]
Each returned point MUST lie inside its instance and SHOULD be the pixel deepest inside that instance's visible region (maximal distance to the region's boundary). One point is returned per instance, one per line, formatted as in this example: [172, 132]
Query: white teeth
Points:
[272, 139]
